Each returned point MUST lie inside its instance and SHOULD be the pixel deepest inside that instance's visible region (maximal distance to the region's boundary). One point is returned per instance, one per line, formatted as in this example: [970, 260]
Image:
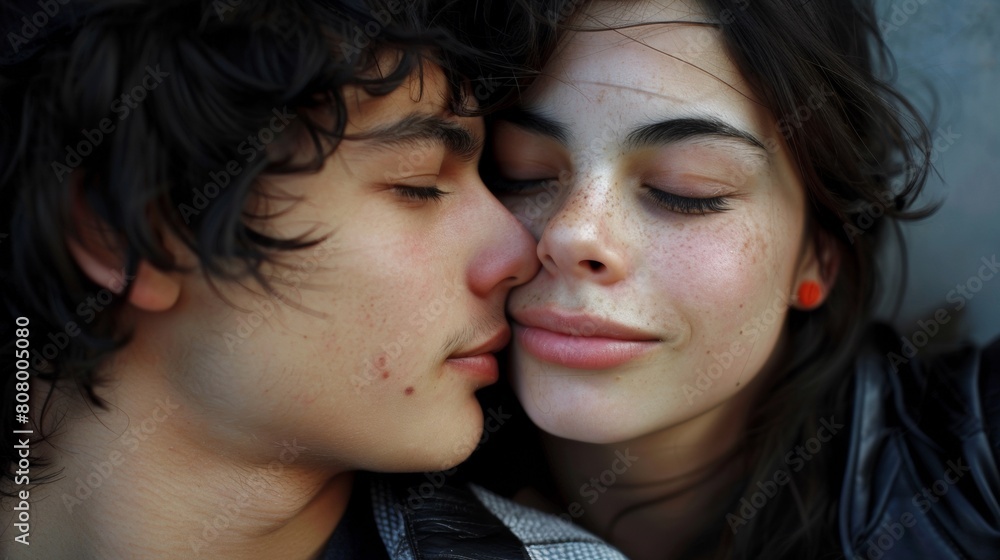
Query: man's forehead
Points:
[461, 136]
[424, 91]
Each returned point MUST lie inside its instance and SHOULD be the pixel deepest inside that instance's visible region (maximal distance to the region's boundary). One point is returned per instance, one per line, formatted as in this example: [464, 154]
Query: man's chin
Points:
[445, 443]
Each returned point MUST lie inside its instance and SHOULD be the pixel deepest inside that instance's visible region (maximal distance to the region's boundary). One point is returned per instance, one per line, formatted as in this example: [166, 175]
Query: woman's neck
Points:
[652, 496]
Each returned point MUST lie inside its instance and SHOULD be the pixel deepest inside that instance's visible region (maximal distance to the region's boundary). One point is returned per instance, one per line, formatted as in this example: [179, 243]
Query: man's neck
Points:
[140, 480]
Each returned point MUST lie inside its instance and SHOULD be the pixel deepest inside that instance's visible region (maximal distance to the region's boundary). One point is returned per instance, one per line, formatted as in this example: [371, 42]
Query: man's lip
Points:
[493, 344]
[580, 324]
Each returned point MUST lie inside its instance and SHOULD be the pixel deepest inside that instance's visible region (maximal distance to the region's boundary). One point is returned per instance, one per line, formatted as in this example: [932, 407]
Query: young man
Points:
[248, 254]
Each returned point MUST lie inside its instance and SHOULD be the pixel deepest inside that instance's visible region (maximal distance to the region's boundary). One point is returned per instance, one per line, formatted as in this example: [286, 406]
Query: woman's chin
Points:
[597, 420]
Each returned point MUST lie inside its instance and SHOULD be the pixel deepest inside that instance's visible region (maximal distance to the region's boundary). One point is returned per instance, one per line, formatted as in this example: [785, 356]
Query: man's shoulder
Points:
[419, 519]
[545, 535]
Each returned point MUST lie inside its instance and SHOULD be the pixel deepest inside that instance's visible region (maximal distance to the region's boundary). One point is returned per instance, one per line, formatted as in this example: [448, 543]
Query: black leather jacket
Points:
[922, 478]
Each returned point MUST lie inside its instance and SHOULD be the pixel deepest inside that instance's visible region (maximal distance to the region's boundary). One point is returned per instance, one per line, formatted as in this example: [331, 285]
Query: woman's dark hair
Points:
[135, 110]
[862, 150]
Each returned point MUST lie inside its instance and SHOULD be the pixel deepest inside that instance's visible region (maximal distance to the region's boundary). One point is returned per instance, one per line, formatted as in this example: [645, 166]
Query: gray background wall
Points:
[953, 45]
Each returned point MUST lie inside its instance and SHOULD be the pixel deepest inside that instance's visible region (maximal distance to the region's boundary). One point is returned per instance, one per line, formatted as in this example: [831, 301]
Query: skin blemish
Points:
[409, 390]
[385, 375]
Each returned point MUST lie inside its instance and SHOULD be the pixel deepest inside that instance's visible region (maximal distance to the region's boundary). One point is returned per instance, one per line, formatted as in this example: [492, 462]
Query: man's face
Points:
[371, 351]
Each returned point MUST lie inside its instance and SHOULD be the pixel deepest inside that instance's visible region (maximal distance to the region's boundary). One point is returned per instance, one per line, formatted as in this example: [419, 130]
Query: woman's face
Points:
[670, 226]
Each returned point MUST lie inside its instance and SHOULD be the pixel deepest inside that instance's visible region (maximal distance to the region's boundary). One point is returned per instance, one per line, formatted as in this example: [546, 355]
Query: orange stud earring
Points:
[809, 293]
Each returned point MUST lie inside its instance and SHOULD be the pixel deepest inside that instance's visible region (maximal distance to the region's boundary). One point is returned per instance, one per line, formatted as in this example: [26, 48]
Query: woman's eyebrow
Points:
[654, 134]
[678, 129]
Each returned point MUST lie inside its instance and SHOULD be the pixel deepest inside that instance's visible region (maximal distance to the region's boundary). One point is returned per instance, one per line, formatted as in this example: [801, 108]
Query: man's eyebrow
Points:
[420, 129]
[676, 130]
[534, 121]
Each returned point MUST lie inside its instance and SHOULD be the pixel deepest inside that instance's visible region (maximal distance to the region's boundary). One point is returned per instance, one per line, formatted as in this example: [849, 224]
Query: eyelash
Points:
[687, 205]
[419, 194]
[669, 201]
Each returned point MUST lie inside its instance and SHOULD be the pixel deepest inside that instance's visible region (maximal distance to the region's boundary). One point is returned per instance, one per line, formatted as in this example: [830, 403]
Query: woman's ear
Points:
[817, 272]
[99, 256]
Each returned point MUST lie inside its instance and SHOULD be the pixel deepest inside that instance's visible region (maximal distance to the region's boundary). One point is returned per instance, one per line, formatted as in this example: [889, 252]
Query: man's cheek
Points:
[418, 322]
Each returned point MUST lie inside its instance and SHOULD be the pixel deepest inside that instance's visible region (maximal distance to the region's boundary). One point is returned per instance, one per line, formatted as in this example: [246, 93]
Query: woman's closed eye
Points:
[686, 204]
[502, 186]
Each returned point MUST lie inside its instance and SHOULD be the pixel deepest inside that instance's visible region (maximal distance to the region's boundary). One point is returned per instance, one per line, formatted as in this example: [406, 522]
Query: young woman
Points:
[709, 184]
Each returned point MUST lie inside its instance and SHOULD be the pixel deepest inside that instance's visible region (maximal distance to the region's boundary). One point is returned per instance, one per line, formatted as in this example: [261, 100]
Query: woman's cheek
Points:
[714, 268]
[723, 284]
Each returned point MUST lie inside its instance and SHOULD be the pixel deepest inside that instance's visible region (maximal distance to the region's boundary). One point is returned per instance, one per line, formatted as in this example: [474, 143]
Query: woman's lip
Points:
[482, 366]
[579, 352]
[577, 324]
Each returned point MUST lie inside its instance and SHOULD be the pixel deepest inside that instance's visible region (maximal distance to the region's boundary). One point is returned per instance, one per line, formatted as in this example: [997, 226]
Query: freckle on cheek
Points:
[409, 391]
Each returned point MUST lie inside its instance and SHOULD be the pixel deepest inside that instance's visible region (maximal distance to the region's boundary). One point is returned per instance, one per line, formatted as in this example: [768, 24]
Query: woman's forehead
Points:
[646, 46]
[602, 14]
[628, 80]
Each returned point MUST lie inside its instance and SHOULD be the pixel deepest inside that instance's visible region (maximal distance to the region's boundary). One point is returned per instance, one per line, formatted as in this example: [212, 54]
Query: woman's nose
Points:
[582, 238]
